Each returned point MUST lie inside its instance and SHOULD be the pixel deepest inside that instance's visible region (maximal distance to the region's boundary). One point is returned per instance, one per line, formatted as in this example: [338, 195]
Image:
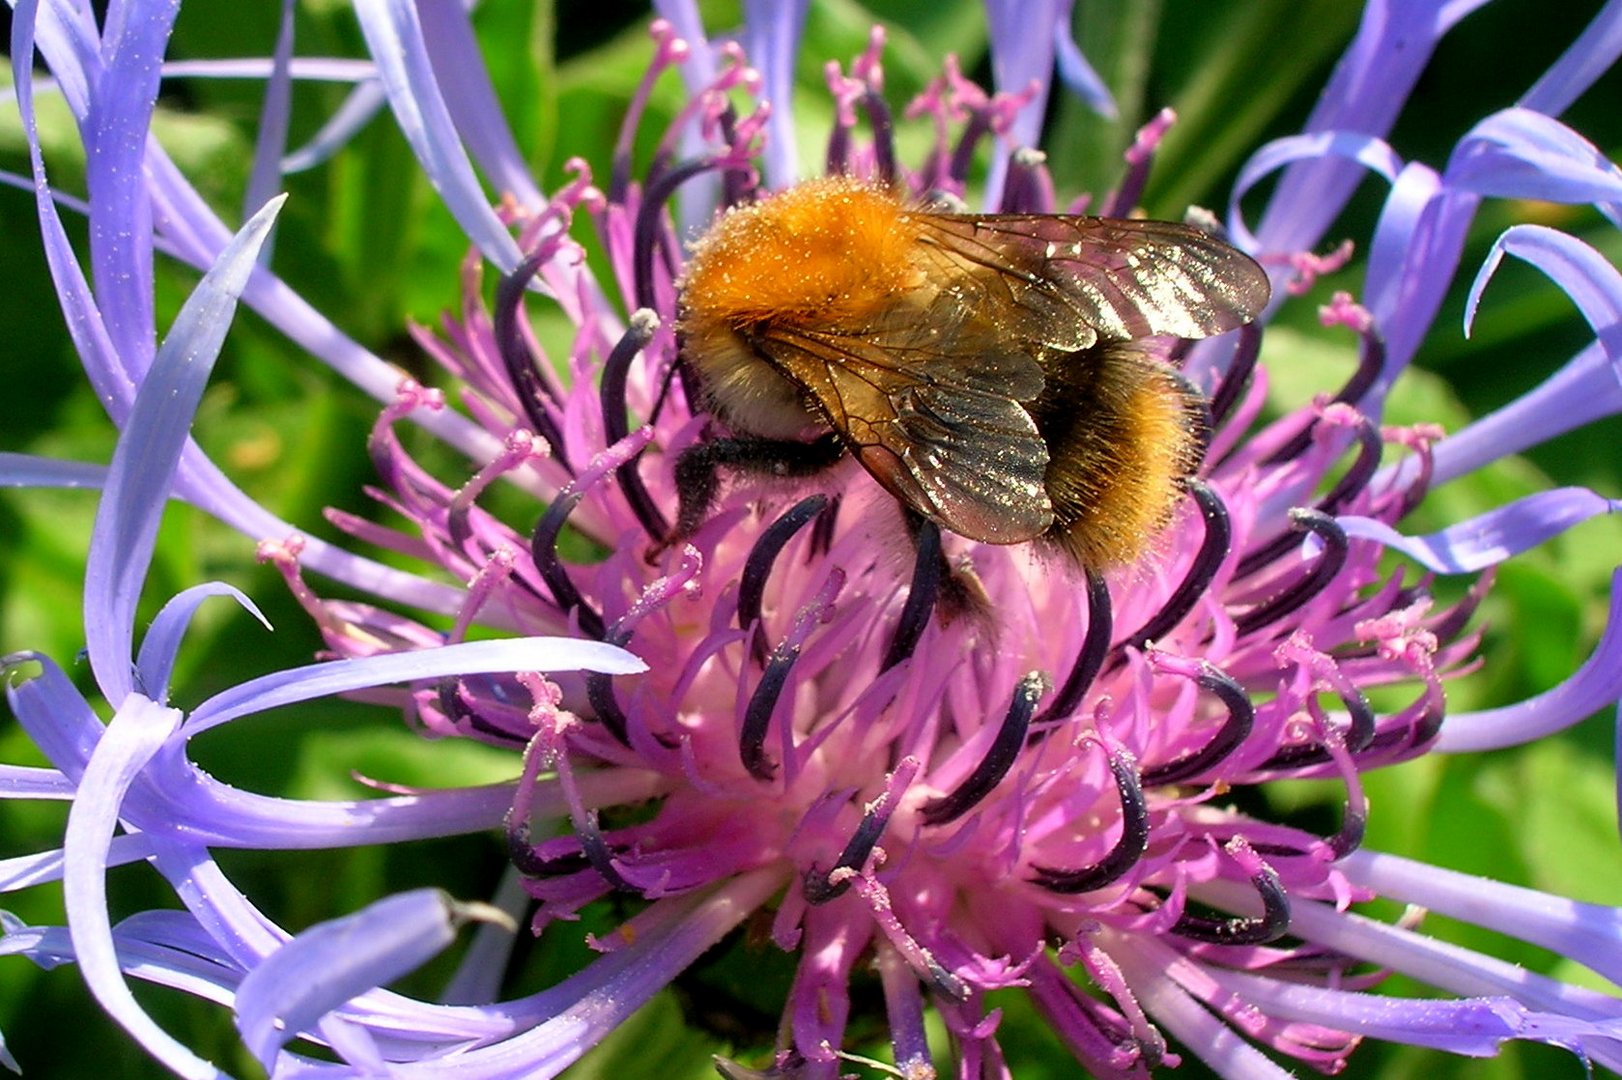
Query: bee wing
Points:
[944, 434]
[1067, 282]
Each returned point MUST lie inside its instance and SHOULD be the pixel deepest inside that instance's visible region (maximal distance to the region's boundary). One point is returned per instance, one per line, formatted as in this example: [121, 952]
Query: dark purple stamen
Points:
[758, 567]
[605, 706]
[1125, 197]
[878, 118]
[1270, 925]
[533, 391]
[1369, 448]
[457, 711]
[1310, 584]
[599, 854]
[943, 982]
[1359, 733]
[1234, 380]
[1094, 647]
[736, 186]
[963, 154]
[999, 758]
[1133, 842]
[1207, 561]
[757, 717]
[1269, 552]
[650, 223]
[1023, 190]
[1370, 362]
[1349, 837]
[927, 569]
[837, 160]
[617, 424]
[818, 888]
[1241, 716]
[543, 548]
[527, 861]
[1451, 623]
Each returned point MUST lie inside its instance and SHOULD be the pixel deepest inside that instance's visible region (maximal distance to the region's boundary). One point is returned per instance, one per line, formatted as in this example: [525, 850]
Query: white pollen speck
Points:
[1052, 249]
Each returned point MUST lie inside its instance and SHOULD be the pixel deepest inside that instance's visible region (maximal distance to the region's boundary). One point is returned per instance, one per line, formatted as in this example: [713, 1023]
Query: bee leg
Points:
[698, 470]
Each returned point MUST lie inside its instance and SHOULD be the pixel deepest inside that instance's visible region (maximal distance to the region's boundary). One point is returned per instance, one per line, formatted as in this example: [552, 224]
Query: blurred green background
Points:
[364, 237]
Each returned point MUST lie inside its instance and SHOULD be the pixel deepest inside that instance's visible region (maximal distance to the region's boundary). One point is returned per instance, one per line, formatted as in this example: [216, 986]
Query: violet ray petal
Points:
[54, 714]
[1595, 685]
[1079, 75]
[114, 129]
[471, 99]
[1520, 154]
[192, 969]
[148, 453]
[1585, 275]
[1474, 1027]
[1198, 1029]
[1587, 388]
[1370, 152]
[1440, 964]
[1020, 59]
[1490, 538]
[394, 39]
[33, 782]
[1589, 57]
[1413, 258]
[265, 176]
[771, 39]
[483, 967]
[329, 963]
[1590, 934]
[339, 69]
[79, 310]
[1371, 82]
[156, 660]
[361, 104]
[136, 733]
[31, 471]
[26, 870]
[561, 1023]
[463, 658]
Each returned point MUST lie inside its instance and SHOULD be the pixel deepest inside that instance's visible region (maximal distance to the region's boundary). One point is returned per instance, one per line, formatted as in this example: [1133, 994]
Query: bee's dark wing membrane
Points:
[948, 438]
[1067, 282]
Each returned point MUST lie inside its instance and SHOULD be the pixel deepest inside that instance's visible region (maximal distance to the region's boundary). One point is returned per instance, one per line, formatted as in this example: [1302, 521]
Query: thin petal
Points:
[1589, 57]
[466, 658]
[471, 99]
[1595, 685]
[394, 39]
[135, 734]
[265, 177]
[148, 453]
[771, 40]
[1492, 537]
[28, 470]
[331, 962]
[162, 641]
[1520, 154]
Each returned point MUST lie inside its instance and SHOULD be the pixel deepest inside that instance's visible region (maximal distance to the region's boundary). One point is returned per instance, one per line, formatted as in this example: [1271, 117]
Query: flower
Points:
[931, 772]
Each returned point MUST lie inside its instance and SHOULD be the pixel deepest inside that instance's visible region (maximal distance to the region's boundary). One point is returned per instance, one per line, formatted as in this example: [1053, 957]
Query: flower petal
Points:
[1492, 537]
[333, 961]
[1592, 687]
[136, 733]
[395, 40]
[149, 452]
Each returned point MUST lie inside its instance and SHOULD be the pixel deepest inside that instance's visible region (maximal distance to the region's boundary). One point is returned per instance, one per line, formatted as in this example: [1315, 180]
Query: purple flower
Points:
[923, 786]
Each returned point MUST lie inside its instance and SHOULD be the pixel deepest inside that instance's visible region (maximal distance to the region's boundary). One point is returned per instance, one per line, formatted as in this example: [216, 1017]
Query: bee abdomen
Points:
[1122, 438]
